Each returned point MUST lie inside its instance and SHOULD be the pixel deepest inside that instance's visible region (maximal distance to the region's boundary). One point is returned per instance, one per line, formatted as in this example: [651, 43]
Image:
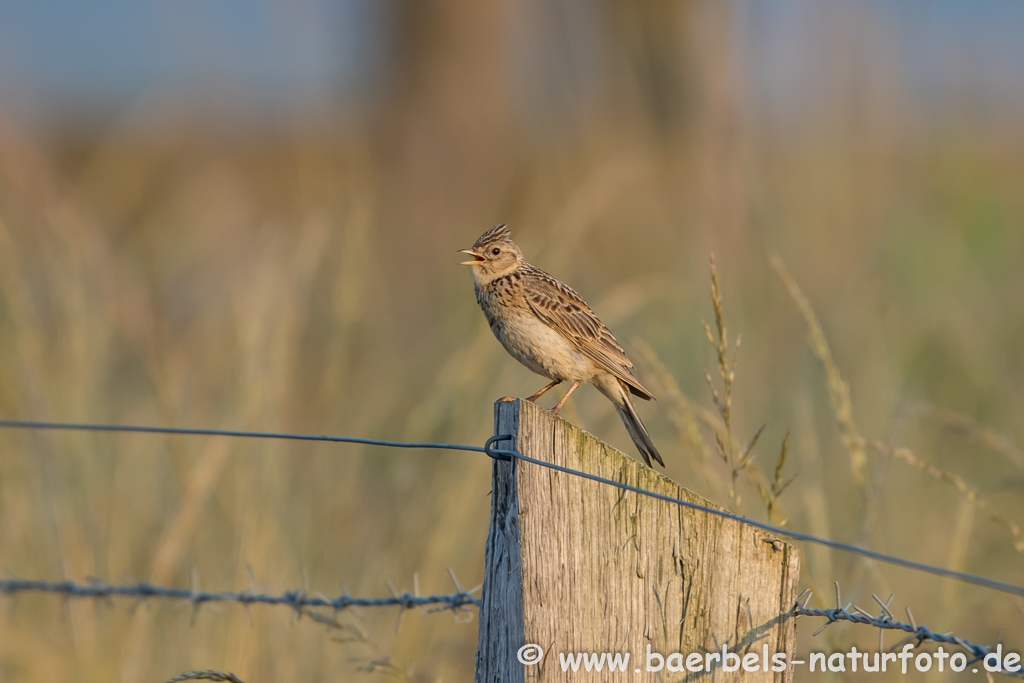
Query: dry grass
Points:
[968, 427]
[304, 280]
[855, 443]
[838, 389]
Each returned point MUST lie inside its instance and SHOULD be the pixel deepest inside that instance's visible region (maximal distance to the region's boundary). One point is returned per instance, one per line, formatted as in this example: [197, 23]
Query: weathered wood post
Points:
[577, 566]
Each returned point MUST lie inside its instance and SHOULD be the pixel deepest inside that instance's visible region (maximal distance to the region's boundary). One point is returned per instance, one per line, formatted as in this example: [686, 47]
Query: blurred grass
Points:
[303, 278]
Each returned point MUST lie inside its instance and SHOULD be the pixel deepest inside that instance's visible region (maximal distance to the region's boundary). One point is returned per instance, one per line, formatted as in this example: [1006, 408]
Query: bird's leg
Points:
[533, 399]
[571, 389]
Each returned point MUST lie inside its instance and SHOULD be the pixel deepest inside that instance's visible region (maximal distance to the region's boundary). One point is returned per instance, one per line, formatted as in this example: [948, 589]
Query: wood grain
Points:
[578, 566]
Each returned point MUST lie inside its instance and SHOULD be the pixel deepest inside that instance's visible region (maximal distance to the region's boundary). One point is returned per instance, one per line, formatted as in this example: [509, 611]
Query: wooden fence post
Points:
[577, 566]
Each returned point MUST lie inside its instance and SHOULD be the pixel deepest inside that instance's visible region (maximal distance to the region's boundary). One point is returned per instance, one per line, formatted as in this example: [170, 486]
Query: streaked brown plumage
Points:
[549, 328]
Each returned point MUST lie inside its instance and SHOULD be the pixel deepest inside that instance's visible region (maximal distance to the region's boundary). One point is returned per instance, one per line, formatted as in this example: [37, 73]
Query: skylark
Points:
[547, 327]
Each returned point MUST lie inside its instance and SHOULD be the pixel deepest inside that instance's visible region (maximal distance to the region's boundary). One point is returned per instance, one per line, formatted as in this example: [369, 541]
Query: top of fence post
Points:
[577, 566]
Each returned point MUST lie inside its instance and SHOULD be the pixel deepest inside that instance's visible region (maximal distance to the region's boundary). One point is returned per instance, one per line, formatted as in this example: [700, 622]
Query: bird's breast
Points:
[540, 348]
[525, 336]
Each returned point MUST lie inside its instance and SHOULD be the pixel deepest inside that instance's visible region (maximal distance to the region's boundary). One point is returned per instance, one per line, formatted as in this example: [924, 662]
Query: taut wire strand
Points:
[505, 455]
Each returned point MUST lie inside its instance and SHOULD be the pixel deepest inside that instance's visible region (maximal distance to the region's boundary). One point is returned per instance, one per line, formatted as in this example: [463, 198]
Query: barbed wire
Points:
[206, 675]
[886, 620]
[508, 455]
[298, 600]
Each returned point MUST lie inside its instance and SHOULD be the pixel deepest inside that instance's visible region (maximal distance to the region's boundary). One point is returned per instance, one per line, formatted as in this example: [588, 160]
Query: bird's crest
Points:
[499, 233]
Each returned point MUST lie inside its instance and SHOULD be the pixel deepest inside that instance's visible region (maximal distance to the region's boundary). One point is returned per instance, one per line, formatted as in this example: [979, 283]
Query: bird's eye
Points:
[496, 251]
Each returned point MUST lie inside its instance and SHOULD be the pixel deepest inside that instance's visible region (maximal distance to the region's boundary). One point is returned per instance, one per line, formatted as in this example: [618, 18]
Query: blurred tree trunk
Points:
[721, 130]
[683, 88]
[447, 133]
[649, 47]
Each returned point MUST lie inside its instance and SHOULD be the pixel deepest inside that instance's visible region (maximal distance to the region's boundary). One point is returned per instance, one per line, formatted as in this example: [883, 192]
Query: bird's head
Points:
[494, 254]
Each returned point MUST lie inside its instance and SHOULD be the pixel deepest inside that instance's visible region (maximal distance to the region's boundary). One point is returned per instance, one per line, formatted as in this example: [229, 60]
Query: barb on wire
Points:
[206, 675]
[506, 454]
[887, 621]
[297, 600]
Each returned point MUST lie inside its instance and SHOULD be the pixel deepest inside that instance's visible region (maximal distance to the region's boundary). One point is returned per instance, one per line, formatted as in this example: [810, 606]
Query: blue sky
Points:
[115, 50]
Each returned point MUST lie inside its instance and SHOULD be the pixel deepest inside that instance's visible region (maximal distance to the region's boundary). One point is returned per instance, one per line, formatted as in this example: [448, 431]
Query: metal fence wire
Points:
[461, 600]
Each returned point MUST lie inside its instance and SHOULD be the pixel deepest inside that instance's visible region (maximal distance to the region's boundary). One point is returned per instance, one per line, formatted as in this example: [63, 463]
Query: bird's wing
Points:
[567, 313]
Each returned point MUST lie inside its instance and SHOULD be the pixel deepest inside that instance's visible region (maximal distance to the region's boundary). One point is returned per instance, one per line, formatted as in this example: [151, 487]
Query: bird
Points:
[545, 325]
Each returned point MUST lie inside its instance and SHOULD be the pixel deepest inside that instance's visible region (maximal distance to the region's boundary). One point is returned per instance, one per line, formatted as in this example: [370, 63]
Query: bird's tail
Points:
[619, 394]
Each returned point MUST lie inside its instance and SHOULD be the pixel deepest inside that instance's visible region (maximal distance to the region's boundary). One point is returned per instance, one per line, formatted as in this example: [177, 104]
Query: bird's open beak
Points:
[477, 258]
